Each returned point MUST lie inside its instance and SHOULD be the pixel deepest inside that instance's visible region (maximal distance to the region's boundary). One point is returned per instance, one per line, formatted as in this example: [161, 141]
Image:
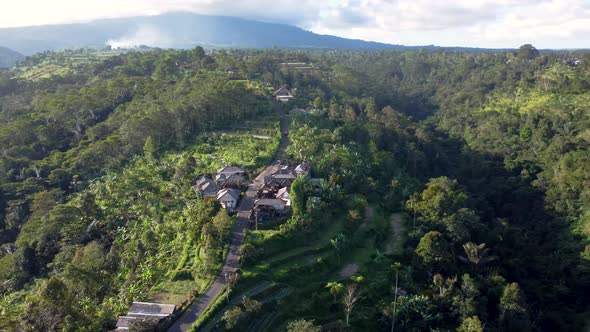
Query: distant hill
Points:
[177, 30]
[8, 57]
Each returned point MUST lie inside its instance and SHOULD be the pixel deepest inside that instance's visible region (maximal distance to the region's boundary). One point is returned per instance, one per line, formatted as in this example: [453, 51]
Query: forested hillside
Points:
[455, 191]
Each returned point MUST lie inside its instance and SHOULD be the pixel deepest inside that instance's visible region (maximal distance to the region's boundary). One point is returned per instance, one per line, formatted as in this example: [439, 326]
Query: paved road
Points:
[230, 265]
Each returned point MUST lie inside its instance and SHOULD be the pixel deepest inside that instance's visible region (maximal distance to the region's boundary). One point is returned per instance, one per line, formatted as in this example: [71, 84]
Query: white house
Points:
[228, 198]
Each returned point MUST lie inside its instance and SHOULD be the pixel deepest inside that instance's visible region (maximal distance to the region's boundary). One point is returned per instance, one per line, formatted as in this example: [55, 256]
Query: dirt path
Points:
[397, 228]
[231, 262]
[349, 270]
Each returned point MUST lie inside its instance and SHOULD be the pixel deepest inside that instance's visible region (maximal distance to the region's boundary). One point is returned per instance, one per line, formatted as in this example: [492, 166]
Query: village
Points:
[262, 199]
[272, 197]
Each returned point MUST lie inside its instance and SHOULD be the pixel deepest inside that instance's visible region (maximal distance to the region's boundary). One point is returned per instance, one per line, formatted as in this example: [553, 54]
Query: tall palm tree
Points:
[335, 288]
[396, 267]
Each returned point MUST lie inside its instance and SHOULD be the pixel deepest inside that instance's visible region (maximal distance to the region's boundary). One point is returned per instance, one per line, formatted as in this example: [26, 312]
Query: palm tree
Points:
[396, 267]
[335, 288]
[477, 254]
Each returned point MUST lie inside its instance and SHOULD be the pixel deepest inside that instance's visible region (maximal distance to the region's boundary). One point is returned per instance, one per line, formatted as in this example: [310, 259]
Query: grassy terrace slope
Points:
[288, 275]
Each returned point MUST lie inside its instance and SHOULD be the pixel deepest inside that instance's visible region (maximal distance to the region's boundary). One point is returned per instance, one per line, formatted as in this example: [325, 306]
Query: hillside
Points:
[8, 57]
[450, 186]
[178, 30]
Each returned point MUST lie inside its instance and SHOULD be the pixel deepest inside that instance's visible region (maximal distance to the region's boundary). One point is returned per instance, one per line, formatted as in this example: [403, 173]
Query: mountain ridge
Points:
[9, 57]
[183, 30]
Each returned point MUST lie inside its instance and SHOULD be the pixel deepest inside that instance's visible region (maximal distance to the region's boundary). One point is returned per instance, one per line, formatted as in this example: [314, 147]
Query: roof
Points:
[269, 202]
[284, 176]
[205, 184]
[125, 321]
[151, 309]
[230, 170]
[233, 193]
[283, 91]
[303, 167]
[283, 191]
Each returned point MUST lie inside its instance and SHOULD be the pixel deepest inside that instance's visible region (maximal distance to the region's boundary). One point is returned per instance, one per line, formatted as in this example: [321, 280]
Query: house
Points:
[302, 169]
[228, 198]
[231, 170]
[205, 187]
[145, 314]
[270, 207]
[283, 94]
[141, 309]
[230, 176]
[279, 180]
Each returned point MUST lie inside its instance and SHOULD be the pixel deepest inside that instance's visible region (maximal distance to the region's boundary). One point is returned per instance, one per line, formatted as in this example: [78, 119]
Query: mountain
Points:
[176, 30]
[8, 57]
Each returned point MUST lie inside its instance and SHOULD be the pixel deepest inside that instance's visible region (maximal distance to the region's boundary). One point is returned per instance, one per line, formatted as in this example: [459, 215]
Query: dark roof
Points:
[125, 321]
[269, 202]
[230, 170]
[233, 193]
[205, 185]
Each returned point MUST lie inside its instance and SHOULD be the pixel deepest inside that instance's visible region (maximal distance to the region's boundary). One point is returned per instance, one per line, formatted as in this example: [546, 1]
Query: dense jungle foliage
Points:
[481, 161]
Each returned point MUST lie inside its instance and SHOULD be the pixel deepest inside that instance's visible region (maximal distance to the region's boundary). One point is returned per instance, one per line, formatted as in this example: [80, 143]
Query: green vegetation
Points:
[454, 191]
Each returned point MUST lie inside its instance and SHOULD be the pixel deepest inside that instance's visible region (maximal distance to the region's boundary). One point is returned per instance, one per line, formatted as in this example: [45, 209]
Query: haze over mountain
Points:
[175, 30]
[8, 57]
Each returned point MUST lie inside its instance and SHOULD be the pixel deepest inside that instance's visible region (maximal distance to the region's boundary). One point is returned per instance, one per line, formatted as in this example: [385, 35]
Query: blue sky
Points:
[483, 23]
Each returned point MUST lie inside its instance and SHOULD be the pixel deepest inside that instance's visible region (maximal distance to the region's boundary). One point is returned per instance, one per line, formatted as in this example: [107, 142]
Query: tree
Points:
[297, 196]
[49, 309]
[470, 324]
[251, 306]
[513, 311]
[339, 244]
[232, 317]
[149, 149]
[477, 254]
[222, 224]
[302, 325]
[230, 280]
[527, 52]
[349, 299]
[335, 288]
[468, 300]
[396, 266]
[434, 250]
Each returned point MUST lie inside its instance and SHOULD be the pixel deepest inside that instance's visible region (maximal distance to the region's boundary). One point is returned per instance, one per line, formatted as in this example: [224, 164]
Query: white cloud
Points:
[486, 23]
[145, 35]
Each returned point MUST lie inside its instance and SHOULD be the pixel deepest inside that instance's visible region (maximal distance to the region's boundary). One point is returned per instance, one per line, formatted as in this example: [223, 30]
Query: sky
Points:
[476, 23]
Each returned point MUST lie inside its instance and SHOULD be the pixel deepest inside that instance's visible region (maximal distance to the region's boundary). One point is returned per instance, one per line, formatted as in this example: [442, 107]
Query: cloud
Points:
[488, 23]
[144, 35]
